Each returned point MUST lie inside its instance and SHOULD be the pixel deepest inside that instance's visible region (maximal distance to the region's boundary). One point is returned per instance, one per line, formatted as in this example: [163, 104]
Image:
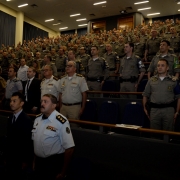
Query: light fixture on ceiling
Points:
[102, 2]
[178, 2]
[144, 9]
[75, 15]
[22, 5]
[178, 9]
[81, 19]
[142, 2]
[49, 20]
[63, 28]
[8, 0]
[82, 25]
[56, 24]
[153, 14]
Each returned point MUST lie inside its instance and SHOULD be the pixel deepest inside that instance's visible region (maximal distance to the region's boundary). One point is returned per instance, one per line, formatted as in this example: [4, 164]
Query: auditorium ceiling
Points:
[60, 10]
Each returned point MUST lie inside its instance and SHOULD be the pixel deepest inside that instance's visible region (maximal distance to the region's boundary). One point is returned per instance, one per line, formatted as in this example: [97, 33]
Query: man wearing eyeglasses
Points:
[50, 84]
[73, 89]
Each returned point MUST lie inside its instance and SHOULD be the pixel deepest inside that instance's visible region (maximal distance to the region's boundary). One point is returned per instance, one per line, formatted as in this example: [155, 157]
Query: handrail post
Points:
[166, 138]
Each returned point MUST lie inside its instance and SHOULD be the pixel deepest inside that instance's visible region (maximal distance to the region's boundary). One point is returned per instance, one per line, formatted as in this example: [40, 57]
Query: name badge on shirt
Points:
[50, 84]
[74, 83]
[51, 128]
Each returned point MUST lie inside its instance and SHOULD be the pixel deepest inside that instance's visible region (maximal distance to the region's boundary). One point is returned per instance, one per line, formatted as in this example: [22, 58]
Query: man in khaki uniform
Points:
[112, 59]
[101, 47]
[139, 47]
[48, 61]
[97, 71]
[163, 90]
[83, 57]
[60, 63]
[120, 47]
[173, 61]
[174, 40]
[50, 84]
[130, 66]
[152, 46]
[73, 89]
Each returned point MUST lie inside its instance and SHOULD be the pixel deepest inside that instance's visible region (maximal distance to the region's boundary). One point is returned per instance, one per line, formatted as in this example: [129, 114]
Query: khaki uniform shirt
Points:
[50, 86]
[131, 66]
[162, 91]
[60, 62]
[152, 45]
[72, 88]
[174, 65]
[112, 59]
[98, 68]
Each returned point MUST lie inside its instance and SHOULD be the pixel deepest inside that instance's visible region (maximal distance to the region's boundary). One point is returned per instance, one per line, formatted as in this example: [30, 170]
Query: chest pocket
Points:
[48, 136]
[74, 88]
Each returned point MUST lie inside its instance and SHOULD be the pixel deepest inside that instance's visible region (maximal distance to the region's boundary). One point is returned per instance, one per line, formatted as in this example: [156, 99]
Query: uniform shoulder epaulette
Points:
[63, 76]
[39, 115]
[44, 79]
[137, 56]
[61, 119]
[174, 78]
[154, 78]
[55, 78]
[79, 75]
[16, 79]
[173, 55]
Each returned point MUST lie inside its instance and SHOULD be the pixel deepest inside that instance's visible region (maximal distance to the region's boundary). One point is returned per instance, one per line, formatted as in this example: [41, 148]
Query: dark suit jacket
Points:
[34, 95]
[19, 143]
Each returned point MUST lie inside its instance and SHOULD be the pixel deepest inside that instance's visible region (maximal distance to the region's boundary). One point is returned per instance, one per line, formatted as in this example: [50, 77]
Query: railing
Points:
[166, 134]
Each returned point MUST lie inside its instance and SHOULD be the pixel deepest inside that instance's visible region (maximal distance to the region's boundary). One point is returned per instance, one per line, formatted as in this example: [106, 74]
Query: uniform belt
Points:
[60, 70]
[98, 79]
[154, 105]
[66, 104]
[112, 69]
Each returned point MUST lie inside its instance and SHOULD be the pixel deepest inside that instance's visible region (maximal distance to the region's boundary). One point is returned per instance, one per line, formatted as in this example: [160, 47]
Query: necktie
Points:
[28, 84]
[14, 119]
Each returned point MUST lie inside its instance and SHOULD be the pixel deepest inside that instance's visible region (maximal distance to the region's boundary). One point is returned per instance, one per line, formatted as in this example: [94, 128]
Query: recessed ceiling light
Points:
[75, 15]
[8, 0]
[102, 2]
[49, 20]
[23, 5]
[63, 28]
[144, 9]
[81, 19]
[178, 9]
[82, 25]
[141, 2]
[56, 24]
[152, 14]
[178, 2]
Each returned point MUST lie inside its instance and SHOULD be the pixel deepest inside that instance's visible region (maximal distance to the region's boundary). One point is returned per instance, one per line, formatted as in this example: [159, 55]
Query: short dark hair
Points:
[164, 61]
[95, 46]
[166, 41]
[52, 97]
[131, 45]
[20, 95]
[15, 69]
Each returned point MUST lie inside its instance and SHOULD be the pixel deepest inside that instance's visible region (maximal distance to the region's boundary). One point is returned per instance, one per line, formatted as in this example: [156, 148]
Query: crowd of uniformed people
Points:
[59, 70]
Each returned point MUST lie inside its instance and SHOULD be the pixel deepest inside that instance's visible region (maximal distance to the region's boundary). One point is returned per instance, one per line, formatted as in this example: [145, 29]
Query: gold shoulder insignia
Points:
[39, 115]
[79, 75]
[174, 78]
[63, 76]
[43, 79]
[137, 56]
[154, 79]
[174, 55]
[55, 78]
[60, 118]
